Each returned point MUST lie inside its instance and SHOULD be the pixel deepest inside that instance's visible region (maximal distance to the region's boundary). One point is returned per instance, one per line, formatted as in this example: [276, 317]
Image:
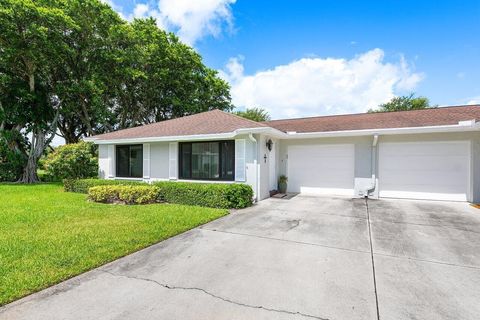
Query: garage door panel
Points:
[426, 170]
[327, 168]
[440, 188]
[321, 169]
[426, 163]
[427, 148]
[428, 177]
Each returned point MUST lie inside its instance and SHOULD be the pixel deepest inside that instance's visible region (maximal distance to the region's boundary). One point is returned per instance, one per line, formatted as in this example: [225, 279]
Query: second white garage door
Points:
[321, 169]
[425, 170]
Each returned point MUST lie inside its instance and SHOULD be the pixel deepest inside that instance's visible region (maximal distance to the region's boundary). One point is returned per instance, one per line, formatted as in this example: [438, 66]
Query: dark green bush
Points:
[82, 185]
[12, 162]
[214, 195]
[73, 161]
[128, 194]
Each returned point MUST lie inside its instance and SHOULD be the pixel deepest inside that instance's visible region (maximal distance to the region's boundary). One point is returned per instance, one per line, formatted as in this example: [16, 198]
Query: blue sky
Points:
[303, 58]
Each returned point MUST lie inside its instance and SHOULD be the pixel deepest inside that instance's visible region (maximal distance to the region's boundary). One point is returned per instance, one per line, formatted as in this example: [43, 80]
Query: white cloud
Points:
[141, 10]
[115, 7]
[473, 100]
[191, 20]
[319, 86]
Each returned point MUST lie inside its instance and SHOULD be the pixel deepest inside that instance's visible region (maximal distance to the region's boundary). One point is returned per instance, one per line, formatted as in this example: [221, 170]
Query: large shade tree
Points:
[32, 47]
[86, 70]
[74, 67]
[160, 78]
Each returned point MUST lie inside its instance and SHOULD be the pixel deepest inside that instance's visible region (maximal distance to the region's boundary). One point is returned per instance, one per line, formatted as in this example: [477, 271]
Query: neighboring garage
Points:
[425, 170]
[321, 169]
[431, 154]
[395, 167]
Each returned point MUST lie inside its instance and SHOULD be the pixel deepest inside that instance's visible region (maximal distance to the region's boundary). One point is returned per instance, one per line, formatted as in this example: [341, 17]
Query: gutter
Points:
[197, 137]
[462, 126]
[373, 183]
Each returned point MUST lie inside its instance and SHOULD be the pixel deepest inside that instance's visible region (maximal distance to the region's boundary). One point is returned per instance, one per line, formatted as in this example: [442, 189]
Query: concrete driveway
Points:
[303, 258]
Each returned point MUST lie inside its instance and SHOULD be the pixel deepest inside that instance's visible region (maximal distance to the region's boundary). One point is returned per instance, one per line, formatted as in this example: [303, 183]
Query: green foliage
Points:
[11, 162]
[48, 235]
[82, 185]
[76, 67]
[156, 77]
[214, 195]
[33, 47]
[404, 103]
[127, 194]
[282, 179]
[73, 161]
[255, 114]
[44, 177]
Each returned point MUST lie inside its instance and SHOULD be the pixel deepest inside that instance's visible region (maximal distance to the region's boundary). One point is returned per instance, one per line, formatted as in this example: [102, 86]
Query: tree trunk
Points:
[69, 139]
[30, 171]
[39, 143]
[36, 149]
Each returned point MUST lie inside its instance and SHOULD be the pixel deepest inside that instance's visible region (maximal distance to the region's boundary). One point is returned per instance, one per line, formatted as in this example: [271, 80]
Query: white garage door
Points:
[321, 169]
[425, 170]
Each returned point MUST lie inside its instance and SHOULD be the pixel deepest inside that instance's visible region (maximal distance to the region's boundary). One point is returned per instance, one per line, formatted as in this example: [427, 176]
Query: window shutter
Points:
[240, 160]
[173, 160]
[146, 160]
[111, 161]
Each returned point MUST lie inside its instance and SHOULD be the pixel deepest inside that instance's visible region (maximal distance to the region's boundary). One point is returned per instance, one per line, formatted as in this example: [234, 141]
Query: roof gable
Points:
[210, 122]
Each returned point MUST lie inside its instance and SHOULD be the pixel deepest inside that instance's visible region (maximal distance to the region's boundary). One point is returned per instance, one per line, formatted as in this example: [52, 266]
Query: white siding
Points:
[240, 161]
[159, 160]
[103, 163]
[173, 161]
[111, 161]
[146, 160]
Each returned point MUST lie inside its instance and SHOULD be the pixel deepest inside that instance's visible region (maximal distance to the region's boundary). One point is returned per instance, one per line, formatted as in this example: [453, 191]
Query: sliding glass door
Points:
[207, 160]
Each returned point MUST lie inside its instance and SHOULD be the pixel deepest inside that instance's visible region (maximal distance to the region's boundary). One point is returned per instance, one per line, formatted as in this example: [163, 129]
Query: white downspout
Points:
[372, 185]
[257, 182]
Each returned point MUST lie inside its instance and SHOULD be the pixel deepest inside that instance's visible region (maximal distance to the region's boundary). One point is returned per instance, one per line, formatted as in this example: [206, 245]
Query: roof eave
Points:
[196, 137]
[463, 126]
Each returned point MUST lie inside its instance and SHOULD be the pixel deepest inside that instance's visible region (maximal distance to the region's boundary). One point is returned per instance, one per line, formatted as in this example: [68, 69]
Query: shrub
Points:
[128, 194]
[214, 195]
[12, 162]
[73, 161]
[82, 185]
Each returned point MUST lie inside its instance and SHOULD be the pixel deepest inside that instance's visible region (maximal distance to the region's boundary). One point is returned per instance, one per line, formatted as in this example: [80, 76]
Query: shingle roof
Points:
[381, 120]
[216, 121]
[210, 122]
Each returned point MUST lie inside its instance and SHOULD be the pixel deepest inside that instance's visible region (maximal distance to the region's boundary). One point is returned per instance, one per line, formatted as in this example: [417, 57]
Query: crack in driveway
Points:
[292, 224]
[170, 287]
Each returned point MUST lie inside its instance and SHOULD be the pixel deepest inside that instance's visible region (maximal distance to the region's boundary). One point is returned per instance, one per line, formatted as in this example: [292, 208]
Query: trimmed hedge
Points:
[213, 195]
[128, 194]
[82, 185]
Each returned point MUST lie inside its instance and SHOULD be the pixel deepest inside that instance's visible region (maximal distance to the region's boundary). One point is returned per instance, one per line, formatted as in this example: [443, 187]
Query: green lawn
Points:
[47, 235]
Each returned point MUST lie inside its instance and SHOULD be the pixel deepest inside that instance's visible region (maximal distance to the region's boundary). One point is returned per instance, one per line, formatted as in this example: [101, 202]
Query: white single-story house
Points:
[421, 154]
